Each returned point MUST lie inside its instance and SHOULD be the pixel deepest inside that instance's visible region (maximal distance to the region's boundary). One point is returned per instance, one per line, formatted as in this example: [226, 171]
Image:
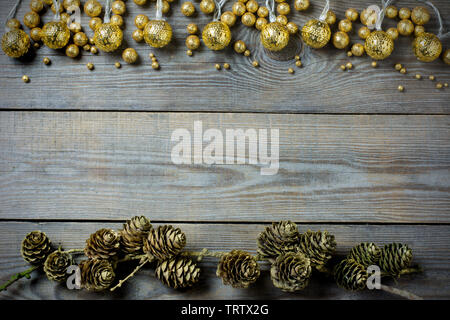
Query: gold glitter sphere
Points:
[292, 27]
[55, 35]
[192, 28]
[282, 19]
[118, 7]
[140, 21]
[262, 12]
[72, 51]
[248, 19]
[229, 18]
[261, 23]
[252, 6]
[239, 8]
[69, 3]
[192, 42]
[138, 35]
[363, 32]
[405, 27]
[117, 20]
[427, 47]
[158, 33]
[379, 45]
[393, 33]
[35, 34]
[140, 2]
[239, 46]
[330, 18]
[92, 8]
[31, 19]
[275, 36]
[301, 5]
[352, 14]
[95, 22]
[25, 78]
[420, 15]
[108, 37]
[404, 13]
[36, 5]
[80, 39]
[13, 24]
[187, 8]
[358, 49]
[207, 6]
[316, 33]
[368, 17]
[391, 12]
[15, 43]
[446, 56]
[418, 30]
[130, 55]
[75, 27]
[340, 40]
[282, 8]
[216, 35]
[345, 25]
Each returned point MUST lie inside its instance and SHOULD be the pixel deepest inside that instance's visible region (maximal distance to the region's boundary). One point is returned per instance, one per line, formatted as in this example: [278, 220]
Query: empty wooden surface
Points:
[83, 150]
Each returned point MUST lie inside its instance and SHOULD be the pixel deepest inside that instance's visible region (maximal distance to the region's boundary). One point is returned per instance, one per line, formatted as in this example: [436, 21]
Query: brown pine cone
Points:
[164, 242]
[395, 258]
[318, 246]
[56, 264]
[278, 238]
[133, 234]
[102, 244]
[178, 272]
[350, 275]
[365, 253]
[96, 275]
[291, 271]
[238, 269]
[35, 247]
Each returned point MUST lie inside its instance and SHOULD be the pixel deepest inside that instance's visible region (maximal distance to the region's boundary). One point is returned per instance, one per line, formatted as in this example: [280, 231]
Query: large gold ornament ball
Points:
[446, 56]
[15, 43]
[216, 35]
[130, 55]
[405, 27]
[341, 40]
[420, 15]
[92, 8]
[55, 34]
[427, 47]
[108, 37]
[379, 45]
[158, 33]
[274, 36]
[316, 33]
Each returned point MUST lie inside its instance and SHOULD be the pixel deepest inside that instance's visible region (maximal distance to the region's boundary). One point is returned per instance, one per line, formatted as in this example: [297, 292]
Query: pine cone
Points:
[35, 247]
[164, 242]
[178, 272]
[133, 234]
[395, 258]
[56, 264]
[318, 247]
[238, 269]
[350, 275]
[278, 238]
[365, 254]
[291, 271]
[102, 244]
[96, 274]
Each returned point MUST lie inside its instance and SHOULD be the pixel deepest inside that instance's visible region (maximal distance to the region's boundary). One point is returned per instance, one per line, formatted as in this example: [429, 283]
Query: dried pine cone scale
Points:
[278, 238]
[238, 268]
[178, 272]
[102, 244]
[291, 271]
[164, 242]
[96, 274]
[56, 264]
[36, 247]
[133, 234]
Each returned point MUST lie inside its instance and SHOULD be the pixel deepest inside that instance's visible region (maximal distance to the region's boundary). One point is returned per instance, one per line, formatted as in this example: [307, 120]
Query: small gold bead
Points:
[255, 63]
[26, 79]
[374, 64]
[151, 55]
[226, 66]
[247, 53]
[349, 54]
[91, 41]
[217, 66]
[140, 21]
[117, 65]
[46, 61]
[418, 76]
[282, 19]
[155, 65]
[363, 32]
[154, 59]
[298, 63]
[439, 85]
[398, 67]
[90, 66]
[349, 65]
[401, 88]
[189, 52]
[297, 57]
[446, 85]
[343, 68]
[94, 50]
[36, 45]
[87, 47]
[403, 70]
[290, 70]
[432, 78]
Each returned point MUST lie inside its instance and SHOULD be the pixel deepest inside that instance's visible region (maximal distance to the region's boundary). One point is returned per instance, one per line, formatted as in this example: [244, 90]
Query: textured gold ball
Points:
[158, 33]
[165, 7]
[316, 33]
[358, 49]
[239, 46]
[247, 53]
[61, 8]
[420, 15]
[446, 56]
[155, 65]
[36, 5]
[92, 8]
[229, 18]
[108, 37]
[187, 8]
[117, 20]
[427, 47]
[393, 33]
[46, 61]
[404, 13]
[274, 36]
[94, 50]
[138, 35]
[80, 39]
[207, 6]
[118, 7]
[35, 34]
[90, 66]
[391, 12]
[248, 19]
[216, 35]
[192, 28]
[282, 19]
[26, 79]
[263, 12]
[130, 55]
[15, 43]
[330, 18]
[352, 14]
[405, 27]
[31, 19]
[363, 32]
[140, 21]
[379, 45]
[283, 8]
[252, 6]
[95, 22]
[13, 24]
[140, 2]
[55, 35]
[368, 17]
[301, 5]
[75, 27]
[261, 23]
[72, 51]
[292, 27]
[71, 3]
[64, 17]
[418, 30]
[345, 25]
[192, 42]
[341, 40]
[239, 8]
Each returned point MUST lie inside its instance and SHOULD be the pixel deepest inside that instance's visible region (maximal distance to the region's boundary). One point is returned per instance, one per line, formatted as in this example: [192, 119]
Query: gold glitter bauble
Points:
[35, 34]
[187, 8]
[141, 21]
[418, 30]
[292, 27]
[158, 33]
[207, 6]
[368, 17]
[345, 25]
[216, 35]
[248, 19]
[192, 28]
[92, 8]
[261, 23]
[393, 33]
[420, 15]
[31, 19]
[316, 33]
[95, 22]
[80, 39]
[263, 12]
[108, 37]
[239, 46]
[15, 43]
[363, 32]
[391, 12]
[55, 34]
[405, 27]
[192, 42]
[282, 19]
[427, 47]
[340, 40]
[352, 14]
[282, 8]
[331, 18]
[446, 56]
[404, 13]
[69, 3]
[117, 20]
[301, 5]
[13, 24]
[130, 55]
[118, 7]
[379, 45]
[275, 36]
[239, 8]
[358, 49]
[72, 51]
[36, 5]
[138, 35]
[229, 18]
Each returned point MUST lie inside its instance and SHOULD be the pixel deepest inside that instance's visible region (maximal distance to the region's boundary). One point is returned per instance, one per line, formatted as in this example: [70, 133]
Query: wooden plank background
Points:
[81, 150]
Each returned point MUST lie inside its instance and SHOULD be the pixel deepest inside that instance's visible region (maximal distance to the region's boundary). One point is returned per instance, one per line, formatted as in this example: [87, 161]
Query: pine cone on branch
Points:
[291, 271]
[366, 254]
[133, 234]
[56, 264]
[350, 275]
[278, 238]
[178, 272]
[164, 242]
[102, 244]
[96, 274]
[238, 268]
[36, 247]
[318, 246]
[395, 258]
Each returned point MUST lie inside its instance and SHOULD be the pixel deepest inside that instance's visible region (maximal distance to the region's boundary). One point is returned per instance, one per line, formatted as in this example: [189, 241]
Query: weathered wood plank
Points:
[103, 165]
[430, 251]
[192, 84]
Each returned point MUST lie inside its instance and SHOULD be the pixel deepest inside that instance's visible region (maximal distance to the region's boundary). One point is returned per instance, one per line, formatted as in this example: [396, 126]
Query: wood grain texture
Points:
[430, 251]
[97, 165]
[192, 84]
